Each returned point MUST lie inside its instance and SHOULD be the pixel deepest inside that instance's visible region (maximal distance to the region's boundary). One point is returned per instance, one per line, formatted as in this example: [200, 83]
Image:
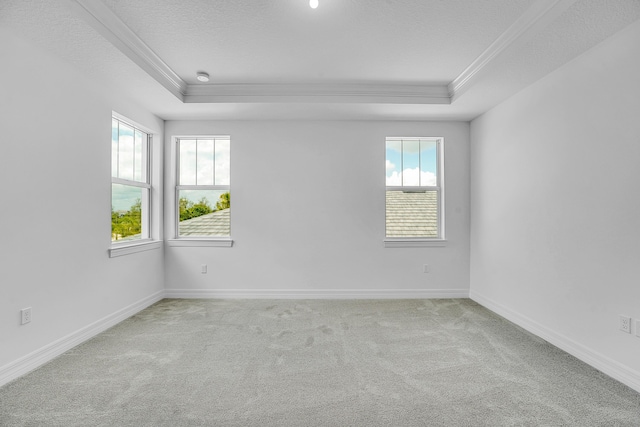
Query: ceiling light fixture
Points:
[313, 4]
[202, 76]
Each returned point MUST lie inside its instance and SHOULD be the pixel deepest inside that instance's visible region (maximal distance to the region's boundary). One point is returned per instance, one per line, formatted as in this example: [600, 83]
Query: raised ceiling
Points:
[284, 41]
[348, 59]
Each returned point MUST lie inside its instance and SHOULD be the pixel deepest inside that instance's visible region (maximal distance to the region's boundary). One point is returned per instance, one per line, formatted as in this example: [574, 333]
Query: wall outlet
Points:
[203, 269]
[25, 314]
[425, 269]
[625, 324]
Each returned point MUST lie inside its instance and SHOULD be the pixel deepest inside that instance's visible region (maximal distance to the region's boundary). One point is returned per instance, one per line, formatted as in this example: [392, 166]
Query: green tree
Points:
[201, 208]
[129, 223]
[188, 209]
[224, 202]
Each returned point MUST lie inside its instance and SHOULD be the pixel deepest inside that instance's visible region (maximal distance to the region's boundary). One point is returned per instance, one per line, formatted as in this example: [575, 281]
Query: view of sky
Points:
[202, 162]
[123, 196]
[411, 162]
[128, 153]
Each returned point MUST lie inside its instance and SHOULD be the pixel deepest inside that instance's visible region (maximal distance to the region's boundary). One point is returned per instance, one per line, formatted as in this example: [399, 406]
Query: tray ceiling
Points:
[350, 59]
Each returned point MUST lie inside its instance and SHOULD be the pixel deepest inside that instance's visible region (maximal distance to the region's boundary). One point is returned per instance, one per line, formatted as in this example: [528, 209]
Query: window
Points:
[130, 183]
[414, 189]
[202, 192]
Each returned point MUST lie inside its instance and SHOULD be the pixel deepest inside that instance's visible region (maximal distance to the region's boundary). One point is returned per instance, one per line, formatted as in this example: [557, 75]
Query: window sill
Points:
[133, 248]
[414, 243]
[219, 243]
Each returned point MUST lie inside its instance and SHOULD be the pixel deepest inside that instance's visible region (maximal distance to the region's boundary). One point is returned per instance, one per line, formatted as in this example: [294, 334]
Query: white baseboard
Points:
[318, 293]
[43, 355]
[602, 363]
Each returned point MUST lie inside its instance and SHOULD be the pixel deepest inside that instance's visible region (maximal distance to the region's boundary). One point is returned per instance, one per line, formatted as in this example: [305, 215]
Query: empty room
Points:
[434, 221]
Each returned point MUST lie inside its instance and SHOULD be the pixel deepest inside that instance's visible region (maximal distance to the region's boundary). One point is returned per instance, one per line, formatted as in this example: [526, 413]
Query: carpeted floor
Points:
[317, 363]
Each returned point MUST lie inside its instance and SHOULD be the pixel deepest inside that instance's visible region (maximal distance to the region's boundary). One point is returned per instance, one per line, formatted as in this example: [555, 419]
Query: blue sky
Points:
[205, 161]
[123, 197]
[411, 162]
[128, 150]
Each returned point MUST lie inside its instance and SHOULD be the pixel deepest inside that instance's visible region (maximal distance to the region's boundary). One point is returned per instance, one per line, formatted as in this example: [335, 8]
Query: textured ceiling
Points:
[248, 41]
[352, 41]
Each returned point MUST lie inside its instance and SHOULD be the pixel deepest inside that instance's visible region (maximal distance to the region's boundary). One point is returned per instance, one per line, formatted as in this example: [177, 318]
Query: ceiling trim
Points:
[347, 93]
[107, 23]
[540, 14]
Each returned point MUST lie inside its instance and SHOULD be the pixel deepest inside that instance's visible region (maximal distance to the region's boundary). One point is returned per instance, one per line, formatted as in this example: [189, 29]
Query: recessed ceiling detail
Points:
[100, 17]
[535, 19]
[318, 93]
[346, 60]
[117, 32]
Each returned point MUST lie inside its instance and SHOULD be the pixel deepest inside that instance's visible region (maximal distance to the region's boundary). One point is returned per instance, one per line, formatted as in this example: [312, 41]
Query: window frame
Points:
[147, 241]
[222, 241]
[420, 241]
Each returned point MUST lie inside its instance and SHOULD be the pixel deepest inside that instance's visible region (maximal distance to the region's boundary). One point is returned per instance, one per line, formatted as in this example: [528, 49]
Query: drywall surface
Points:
[308, 213]
[555, 206]
[55, 218]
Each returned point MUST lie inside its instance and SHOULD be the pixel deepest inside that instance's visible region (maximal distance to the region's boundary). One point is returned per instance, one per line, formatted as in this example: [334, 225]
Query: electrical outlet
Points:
[625, 324]
[425, 269]
[203, 269]
[25, 314]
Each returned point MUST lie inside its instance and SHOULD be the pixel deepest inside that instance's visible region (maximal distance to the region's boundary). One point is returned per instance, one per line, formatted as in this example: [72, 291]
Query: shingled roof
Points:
[216, 223]
[412, 214]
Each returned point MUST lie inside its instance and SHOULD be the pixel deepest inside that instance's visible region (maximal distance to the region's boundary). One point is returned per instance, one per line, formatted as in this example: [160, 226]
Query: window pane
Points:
[410, 163]
[204, 213]
[412, 214]
[125, 152]
[394, 162]
[137, 157]
[127, 205]
[223, 156]
[205, 162]
[114, 148]
[146, 140]
[428, 163]
[187, 161]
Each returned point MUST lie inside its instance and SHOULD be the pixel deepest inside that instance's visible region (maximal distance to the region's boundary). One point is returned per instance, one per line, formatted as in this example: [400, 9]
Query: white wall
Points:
[55, 216]
[308, 213]
[555, 174]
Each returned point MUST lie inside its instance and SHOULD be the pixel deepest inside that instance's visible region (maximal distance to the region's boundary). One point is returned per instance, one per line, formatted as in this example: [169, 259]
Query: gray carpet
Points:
[317, 363]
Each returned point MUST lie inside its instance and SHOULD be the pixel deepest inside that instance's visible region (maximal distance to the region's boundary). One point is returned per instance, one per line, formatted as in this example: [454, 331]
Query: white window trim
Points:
[119, 248]
[200, 242]
[204, 241]
[422, 242]
[132, 248]
[391, 242]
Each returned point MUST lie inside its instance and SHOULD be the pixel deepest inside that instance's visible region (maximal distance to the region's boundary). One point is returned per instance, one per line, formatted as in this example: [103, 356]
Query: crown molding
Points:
[319, 93]
[107, 23]
[540, 14]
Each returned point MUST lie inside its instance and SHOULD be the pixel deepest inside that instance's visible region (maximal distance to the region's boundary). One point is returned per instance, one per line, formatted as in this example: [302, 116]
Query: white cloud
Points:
[389, 166]
[412, 177]
[223, 155]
